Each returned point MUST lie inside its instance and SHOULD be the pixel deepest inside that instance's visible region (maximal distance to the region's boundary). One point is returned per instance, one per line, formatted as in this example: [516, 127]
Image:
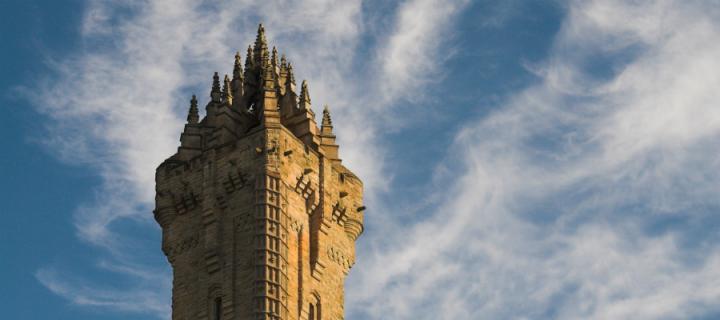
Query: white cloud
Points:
[551, 207]
[417, 47]
[149, 299]
[586, 196]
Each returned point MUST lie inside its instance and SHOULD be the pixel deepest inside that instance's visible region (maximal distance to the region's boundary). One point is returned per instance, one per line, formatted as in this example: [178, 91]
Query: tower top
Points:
[261, 94]
[259, 216]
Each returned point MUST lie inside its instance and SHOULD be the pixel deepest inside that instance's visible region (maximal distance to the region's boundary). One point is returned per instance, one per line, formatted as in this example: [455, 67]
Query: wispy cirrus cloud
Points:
[591, 194]
[416, 48]
[118, 107]
[147, 299]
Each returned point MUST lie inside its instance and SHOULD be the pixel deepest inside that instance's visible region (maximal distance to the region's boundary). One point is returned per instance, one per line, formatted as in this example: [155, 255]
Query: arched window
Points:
[215, 303]
[315, 308]
[217, 309]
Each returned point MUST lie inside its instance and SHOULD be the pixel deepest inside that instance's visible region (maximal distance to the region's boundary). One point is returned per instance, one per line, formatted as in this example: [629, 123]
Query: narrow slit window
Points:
[218, 308]
[318, 311]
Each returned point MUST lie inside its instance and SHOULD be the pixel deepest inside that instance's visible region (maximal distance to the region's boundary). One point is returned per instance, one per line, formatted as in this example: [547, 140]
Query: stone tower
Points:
[259, 217]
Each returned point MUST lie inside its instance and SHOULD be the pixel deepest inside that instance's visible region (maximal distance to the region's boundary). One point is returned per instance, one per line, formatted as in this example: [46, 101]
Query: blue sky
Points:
[522, 159]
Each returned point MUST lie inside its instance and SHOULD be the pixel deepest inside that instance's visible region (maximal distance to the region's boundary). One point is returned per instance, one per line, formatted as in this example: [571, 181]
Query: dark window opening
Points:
[318, 313]
[218, 308]
[314, 312]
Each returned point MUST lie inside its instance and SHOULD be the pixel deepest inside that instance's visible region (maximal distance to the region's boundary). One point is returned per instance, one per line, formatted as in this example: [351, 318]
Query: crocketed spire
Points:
[290, 74]
[226, 93]
[326, 121]
[193, 116]
[260, 51]
[305, 102]
[327, 137]
[215, 93]
[238, 78]
[237, 67]
[249, 58]
[274, 60]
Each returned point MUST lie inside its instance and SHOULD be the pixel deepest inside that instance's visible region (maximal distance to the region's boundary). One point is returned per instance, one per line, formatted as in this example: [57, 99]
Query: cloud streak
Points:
[592, 193]
[582, 195]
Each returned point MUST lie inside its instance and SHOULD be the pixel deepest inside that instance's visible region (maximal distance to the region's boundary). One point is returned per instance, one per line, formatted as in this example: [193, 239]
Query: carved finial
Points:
[275, 57]
[261, 31]
[226, 93]
[261, 49]
[291, 75]
[193, 116]
[304, 96]
[238, 78]
[327, 138]
[283, 62]
[237, 68]
[326, 120]
[249, 58]
[215, 93]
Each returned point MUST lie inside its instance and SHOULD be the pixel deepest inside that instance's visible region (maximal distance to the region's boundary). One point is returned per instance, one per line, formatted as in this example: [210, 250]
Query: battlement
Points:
[261, 94]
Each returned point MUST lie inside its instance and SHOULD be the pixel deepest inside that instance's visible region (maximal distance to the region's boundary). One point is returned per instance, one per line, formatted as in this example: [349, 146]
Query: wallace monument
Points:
[259, 217]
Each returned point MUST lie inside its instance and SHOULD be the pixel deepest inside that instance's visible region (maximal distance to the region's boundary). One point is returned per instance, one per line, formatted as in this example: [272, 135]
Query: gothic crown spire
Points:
[263, 93]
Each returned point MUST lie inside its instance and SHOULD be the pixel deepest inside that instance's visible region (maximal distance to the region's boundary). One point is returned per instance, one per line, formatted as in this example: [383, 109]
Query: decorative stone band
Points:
[175, 249]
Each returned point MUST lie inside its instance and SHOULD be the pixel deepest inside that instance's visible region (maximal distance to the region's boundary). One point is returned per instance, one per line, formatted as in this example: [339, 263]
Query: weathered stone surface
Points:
[259, 217]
